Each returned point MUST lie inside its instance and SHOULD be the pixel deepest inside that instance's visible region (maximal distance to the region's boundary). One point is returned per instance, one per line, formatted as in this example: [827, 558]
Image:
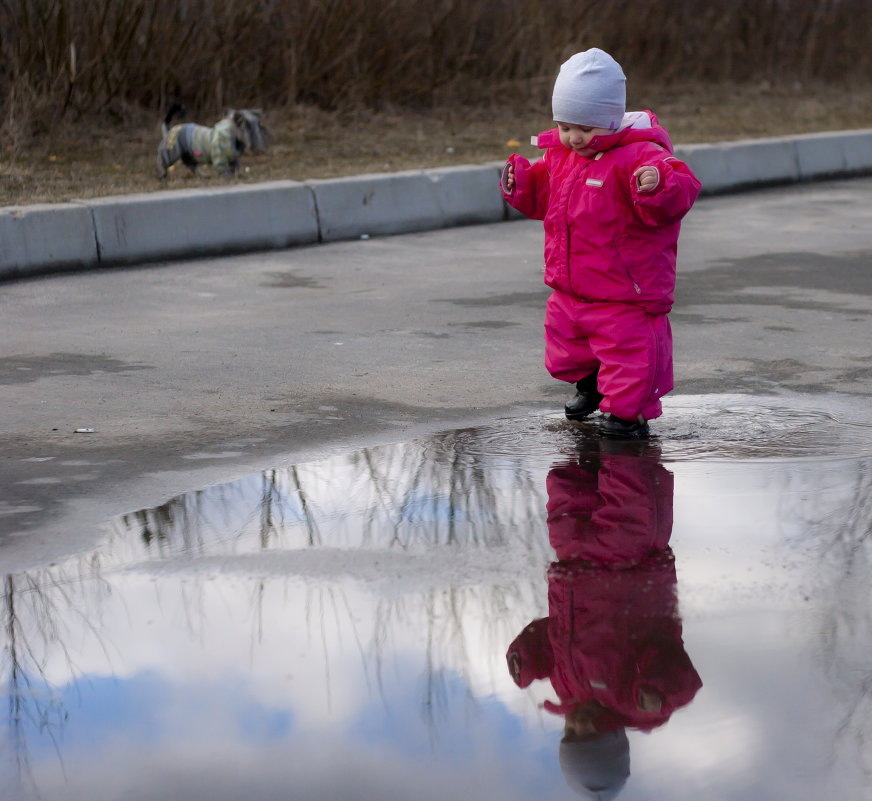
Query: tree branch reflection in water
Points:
[835, 524]
[417, 499]
[406, 496]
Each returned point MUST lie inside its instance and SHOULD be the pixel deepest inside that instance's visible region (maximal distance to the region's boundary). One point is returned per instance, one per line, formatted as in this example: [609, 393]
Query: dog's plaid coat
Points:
[216, 146]
[221, 145]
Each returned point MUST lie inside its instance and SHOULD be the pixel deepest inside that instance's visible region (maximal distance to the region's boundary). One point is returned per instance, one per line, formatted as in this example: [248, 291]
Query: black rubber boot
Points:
[618, 428]
[585, 401]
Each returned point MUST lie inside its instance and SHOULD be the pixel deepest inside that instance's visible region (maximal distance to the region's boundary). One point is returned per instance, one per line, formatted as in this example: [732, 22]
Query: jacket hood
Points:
[637, 126]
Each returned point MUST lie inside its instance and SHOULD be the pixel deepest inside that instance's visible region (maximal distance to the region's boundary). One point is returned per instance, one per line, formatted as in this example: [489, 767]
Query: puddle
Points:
[508, 612]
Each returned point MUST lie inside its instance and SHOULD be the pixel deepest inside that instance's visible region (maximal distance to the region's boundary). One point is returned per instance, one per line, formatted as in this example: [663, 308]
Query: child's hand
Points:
[515, 667]
[647, 178]
[649, 701]
[510, 178]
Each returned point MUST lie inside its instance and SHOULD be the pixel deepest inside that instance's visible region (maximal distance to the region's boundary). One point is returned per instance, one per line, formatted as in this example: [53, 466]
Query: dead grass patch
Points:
[95, 159]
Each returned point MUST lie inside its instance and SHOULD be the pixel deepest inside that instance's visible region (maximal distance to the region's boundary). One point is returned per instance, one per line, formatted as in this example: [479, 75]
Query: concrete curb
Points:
[133, 229]
[402, 202]
[46, 237]
[732, 166]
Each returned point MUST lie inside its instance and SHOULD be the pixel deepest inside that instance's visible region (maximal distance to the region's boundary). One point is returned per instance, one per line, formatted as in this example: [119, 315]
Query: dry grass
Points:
[96, 158]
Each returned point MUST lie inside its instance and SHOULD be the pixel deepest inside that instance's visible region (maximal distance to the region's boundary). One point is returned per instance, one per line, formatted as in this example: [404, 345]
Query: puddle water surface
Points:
[508, 612]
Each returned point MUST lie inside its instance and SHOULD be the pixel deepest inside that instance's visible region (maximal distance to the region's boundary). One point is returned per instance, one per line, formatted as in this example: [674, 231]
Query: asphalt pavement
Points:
[122, 387]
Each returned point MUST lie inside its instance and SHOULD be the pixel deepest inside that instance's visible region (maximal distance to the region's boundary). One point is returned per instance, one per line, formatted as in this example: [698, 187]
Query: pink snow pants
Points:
[631, 348]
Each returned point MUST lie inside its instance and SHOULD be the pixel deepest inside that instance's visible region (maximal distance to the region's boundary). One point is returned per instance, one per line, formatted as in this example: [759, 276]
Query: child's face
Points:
[580, 723]
[577, 137]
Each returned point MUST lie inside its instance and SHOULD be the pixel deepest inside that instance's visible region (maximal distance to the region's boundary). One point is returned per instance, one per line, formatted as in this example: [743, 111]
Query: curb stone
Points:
[131, 229]
[188, 223]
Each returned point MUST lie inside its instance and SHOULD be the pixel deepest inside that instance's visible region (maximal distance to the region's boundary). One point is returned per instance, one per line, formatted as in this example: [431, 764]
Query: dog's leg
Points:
[163, 162]
[168, 150]
[190, 162]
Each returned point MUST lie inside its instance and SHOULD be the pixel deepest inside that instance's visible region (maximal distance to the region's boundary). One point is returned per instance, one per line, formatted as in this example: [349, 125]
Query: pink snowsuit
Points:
[613, 628]
[610, 254]
[613, 513]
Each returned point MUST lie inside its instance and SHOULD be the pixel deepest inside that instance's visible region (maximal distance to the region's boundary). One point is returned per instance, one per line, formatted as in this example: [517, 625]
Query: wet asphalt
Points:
[192, 373]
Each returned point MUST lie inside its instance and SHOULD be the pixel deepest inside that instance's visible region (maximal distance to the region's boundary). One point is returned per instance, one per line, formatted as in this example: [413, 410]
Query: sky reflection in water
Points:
[339, 629]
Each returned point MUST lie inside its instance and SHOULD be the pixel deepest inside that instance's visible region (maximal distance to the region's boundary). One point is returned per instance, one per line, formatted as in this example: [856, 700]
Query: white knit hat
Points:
[590, 90]
[597, 769]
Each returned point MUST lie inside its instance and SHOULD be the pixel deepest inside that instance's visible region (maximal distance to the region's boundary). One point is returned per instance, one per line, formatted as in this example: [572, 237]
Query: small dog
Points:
[220, 146]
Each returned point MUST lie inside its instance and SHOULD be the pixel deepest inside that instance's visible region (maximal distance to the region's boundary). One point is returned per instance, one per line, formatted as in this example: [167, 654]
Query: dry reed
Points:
[73, 58]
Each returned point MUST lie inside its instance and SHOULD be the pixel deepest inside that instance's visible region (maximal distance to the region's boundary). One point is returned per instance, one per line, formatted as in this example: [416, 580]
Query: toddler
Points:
[611, 195]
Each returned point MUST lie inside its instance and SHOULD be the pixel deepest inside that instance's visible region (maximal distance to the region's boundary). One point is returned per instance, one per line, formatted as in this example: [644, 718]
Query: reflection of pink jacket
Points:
[610, 635]
[604, 239]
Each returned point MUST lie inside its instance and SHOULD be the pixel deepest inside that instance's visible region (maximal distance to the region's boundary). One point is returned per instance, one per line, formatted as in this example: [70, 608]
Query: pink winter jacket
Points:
[604, 239]
[609, 635]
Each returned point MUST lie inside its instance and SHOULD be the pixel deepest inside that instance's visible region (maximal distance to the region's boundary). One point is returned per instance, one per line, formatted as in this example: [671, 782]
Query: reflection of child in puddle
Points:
[611, 645]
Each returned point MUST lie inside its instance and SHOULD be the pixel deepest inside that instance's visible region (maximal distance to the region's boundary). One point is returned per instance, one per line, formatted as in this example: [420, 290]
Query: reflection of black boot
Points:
[618, 428]
[586, 400]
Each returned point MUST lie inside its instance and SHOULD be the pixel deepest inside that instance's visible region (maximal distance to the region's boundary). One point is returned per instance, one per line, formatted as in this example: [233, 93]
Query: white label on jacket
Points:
[594, 182]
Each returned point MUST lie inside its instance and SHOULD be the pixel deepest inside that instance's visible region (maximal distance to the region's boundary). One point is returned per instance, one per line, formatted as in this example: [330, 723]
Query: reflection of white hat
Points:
[590, 90]
[597, 769]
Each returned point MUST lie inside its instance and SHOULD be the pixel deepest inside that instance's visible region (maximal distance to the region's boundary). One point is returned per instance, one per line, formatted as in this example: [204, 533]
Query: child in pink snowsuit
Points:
[611, 195]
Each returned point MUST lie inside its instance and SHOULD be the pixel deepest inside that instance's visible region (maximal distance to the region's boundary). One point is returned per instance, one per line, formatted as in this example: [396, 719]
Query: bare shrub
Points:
[81, 57]
[23, 115]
